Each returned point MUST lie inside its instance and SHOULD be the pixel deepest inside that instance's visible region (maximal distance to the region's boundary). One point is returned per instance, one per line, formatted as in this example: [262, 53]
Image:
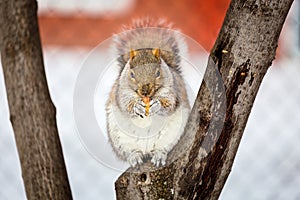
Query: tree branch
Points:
[32, 113]
[200, 163]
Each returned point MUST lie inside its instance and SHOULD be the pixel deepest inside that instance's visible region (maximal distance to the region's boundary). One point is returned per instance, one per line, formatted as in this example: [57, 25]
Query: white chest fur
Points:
[144, 134]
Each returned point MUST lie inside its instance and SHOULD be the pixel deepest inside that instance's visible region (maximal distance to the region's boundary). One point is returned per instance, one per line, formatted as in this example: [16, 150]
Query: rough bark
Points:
[32, 113]
[200, 163]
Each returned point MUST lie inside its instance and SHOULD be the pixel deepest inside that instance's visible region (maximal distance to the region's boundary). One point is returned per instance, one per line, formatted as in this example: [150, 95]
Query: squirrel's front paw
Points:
[135, 158]
[155, 106]
[159, 157]
[139, 108]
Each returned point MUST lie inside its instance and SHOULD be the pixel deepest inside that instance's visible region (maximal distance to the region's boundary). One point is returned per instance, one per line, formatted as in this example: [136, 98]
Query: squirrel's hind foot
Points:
[159, 157]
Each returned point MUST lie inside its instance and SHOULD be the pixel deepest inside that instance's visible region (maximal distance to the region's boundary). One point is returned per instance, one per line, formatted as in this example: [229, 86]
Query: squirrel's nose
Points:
[146, 90]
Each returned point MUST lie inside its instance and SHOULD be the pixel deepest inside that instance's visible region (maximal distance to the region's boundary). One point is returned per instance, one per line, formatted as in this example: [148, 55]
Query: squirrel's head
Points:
[146, 73]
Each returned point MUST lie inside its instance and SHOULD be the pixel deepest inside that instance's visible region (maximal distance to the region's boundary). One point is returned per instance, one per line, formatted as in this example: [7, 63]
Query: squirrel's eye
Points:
[157, 74]
[132, 75]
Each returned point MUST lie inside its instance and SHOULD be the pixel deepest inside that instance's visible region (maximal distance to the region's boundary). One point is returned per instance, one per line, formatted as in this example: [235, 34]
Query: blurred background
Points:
[267, 165]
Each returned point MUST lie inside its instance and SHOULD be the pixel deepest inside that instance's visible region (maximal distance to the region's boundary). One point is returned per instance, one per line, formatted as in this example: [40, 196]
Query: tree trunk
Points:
[200, 163]
[32, 113]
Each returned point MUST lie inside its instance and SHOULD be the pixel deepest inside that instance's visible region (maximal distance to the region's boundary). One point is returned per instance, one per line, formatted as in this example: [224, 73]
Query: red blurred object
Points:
[200, 20]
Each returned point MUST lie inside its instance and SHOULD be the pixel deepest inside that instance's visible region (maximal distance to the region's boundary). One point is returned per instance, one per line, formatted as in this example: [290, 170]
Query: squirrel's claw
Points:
[135, 158]
[159, 157]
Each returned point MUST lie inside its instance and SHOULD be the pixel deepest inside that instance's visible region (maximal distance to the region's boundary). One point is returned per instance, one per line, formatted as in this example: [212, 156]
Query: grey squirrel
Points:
[148, 104]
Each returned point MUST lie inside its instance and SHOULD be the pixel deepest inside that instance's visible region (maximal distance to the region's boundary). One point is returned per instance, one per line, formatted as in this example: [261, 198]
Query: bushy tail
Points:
[151, 34]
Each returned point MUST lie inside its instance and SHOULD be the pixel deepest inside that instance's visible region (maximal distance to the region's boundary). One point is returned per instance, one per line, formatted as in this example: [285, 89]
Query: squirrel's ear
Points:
[132, 54]
[156, 52]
